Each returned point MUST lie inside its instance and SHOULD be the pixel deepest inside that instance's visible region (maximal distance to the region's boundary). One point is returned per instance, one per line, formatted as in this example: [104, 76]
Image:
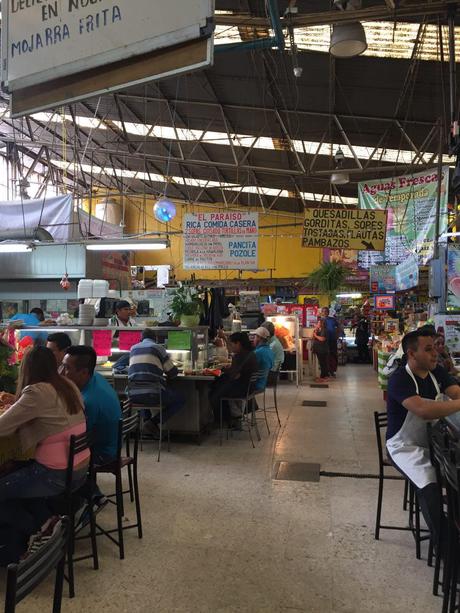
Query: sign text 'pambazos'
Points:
[344, 229]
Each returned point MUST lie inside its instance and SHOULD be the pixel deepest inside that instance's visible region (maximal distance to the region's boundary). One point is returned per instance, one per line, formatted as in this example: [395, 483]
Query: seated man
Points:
[275, 345]
[59, 342]
[102, 407]
[149, 367]
[264, 355]
[414, 398]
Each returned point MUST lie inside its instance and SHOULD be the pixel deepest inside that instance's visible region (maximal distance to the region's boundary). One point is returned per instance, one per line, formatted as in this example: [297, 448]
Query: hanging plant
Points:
[328, 278]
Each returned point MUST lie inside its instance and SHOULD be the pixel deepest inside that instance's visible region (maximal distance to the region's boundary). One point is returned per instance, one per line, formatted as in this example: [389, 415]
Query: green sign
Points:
[180, 340]
[411, 204]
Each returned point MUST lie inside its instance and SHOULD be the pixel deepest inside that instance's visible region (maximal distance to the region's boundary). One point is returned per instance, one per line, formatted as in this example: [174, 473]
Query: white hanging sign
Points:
[49, 39]
[226, 240]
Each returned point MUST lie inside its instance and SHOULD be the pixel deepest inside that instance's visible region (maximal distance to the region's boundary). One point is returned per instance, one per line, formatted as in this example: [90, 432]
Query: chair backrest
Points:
[451, 477]
[128, 424]
[24, 577]
[263, 374]
[273, 377]
[126, 408]
[380, 422]
[78, 443]
[252, 383]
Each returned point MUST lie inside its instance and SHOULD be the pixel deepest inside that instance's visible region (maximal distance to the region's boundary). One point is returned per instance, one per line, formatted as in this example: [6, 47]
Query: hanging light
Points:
[347, 40]
[164, 210]
[340, 178]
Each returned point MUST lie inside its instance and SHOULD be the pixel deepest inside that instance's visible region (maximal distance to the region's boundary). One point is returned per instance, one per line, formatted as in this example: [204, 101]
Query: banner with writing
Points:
[407, 273]
[226, 241]
[411, 204]
[382, 278]
[453, 278]
[344, 229]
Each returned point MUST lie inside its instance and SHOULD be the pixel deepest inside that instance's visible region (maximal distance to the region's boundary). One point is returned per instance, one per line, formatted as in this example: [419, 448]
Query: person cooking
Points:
[122, 317]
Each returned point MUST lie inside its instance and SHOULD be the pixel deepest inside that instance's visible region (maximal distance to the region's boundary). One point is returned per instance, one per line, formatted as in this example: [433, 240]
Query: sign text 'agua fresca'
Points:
[344, 229]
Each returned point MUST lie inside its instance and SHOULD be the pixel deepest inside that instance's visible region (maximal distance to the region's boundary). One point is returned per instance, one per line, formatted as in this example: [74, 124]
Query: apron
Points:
[409, 448]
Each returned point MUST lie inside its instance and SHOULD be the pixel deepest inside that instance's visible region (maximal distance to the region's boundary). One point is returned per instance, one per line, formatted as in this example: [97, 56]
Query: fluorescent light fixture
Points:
[355, 295]
[15, 248]
[142, 245]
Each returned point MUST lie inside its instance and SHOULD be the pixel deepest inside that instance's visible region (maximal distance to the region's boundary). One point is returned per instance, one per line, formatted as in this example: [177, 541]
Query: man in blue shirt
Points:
[332, 333]
[102, 407]
[275, 345]
[264, 355]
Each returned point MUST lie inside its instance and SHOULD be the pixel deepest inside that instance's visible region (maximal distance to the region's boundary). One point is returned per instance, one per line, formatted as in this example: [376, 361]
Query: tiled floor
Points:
[222, 536]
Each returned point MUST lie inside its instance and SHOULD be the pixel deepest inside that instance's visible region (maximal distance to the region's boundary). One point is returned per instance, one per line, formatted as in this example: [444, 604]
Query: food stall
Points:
[188, 348]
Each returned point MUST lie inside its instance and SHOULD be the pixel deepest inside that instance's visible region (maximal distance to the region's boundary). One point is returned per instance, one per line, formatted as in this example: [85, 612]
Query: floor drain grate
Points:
[296, 471]
[314, 403]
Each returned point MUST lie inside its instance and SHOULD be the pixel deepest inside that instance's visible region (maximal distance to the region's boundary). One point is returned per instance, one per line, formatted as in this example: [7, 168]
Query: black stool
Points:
[128, 426]
[381, 422]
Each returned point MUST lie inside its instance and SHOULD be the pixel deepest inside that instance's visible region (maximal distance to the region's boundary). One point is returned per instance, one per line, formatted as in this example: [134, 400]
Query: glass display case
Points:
[287, 329]
[188, 347]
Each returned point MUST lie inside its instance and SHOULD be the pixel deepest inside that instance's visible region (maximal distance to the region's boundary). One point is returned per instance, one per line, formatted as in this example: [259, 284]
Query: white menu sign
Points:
[54, 38]
[222, 240]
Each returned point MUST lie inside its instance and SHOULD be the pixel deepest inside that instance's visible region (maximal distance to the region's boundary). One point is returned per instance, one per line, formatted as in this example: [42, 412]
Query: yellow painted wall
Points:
[279, 247]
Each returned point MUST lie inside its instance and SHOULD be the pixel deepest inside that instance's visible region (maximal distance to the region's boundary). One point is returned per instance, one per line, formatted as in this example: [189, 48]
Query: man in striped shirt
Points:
[150, 366]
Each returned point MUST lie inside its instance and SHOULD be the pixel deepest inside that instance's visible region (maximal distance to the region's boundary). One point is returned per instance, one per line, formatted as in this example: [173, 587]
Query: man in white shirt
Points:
[122, 316]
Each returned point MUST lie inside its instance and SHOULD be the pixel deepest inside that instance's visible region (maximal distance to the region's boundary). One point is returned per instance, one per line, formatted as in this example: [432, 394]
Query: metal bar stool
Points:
[68, 503]
[154, 409]
[272, 383]
[247, 407]
[128, 427]
[381, 422]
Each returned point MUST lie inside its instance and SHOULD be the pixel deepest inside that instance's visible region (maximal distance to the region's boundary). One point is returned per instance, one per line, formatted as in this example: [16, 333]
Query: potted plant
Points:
[186, 306]
[328, 278]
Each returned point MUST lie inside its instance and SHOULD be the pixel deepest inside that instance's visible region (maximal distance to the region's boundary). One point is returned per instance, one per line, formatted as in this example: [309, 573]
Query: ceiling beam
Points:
[299, 113]
[378, 12]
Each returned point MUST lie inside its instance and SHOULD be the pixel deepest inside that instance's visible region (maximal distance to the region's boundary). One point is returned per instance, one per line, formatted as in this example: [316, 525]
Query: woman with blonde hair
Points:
[47, 411]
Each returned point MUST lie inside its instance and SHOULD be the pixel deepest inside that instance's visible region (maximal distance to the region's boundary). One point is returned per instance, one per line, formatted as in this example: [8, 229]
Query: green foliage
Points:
[328, 277]
[8, 372]
[186, 302]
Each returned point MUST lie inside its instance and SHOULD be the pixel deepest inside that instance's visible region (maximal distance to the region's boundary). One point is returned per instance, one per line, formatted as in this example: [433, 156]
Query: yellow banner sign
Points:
[358, 229]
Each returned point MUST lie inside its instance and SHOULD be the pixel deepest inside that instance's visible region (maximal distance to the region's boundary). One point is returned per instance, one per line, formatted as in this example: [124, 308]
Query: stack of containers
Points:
[86, 314]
